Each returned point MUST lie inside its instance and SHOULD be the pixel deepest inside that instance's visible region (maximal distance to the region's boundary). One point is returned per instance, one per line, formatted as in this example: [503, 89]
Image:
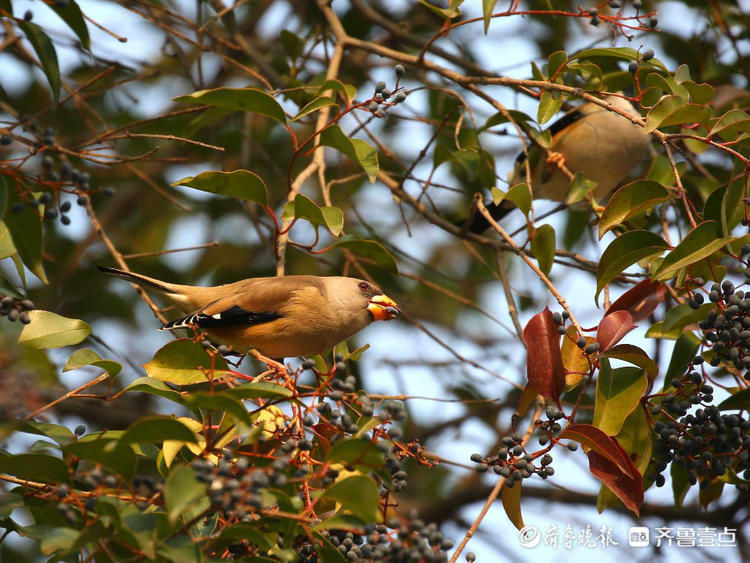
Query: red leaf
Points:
[603, 444]
[641, 300]
[613, 328]
[627, 487]
[544, 366]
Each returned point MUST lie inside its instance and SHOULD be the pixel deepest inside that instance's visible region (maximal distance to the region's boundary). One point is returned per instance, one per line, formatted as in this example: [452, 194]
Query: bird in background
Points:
[279, 317]
[603, 145]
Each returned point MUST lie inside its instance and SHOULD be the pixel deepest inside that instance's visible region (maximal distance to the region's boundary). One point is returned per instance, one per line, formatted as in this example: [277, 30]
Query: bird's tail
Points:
[478, 224]
[138, 279]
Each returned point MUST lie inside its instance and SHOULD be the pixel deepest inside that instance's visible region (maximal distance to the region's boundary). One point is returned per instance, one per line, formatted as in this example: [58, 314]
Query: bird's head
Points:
[379, 305]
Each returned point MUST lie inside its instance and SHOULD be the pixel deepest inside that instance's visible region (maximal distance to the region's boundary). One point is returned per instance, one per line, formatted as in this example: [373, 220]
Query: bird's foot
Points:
[275, 368]
[555, 159]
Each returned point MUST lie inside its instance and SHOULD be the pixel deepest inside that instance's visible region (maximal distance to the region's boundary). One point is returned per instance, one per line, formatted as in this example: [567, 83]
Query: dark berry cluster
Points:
[645, 56]
[344, 421]
[513, 463]
[551, 426]
[57, 174]
[16, 309]
[560, 319]
[235, 487]
[393, 541]
[92, 482]
[689, 390]
[379, 102]
[726, 329]
[707, 444]
[398, 475]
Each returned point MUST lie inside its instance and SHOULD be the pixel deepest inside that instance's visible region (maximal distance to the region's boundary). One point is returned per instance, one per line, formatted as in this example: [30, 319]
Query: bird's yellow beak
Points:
[383, 308]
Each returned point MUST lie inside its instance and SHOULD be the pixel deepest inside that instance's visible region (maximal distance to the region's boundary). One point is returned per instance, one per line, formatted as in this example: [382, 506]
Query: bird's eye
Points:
[363, 286]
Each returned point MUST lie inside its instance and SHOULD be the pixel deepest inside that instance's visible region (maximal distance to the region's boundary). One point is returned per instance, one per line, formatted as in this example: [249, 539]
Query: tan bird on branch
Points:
[279, 317]
[603, 145]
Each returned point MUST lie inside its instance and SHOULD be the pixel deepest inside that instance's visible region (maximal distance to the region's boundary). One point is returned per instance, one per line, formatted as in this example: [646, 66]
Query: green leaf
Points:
[6, 185]
[356, 494]
[682, 73]
[555, 62]
[238, 99]
[260, 390]
[738, 400]
[672, 110]
[293, 44]
[118, 457]
[711, 493]
[348, 90]
[549, 104]
[543, 247]
[154, 387]
[683, 315]
[355, 452]
[731, 125]
[536, 72]
[579, 188]
[315, 105]
[622, 53]
[680, 483]
[242, 184]
[87, 357]
[448, 13]
[182, 548]
[369, 249]
[699, 243]
[26, 231]
[8, 503]
[54, 539]
[219, 402]
[520, 195]
[152, 429]
[358, 150]
[7, 248]
[699, 93]
[724, 205]
[499, 118]
[682, 355]
[50, 330]
[487, 7]
[624, 251]
[144, 528]
[631, 200]
[71, 14]
[634, 355]
[7, 7]
[332, 218]
[8, 288]
[45, 50]
[181, 490]
[58, 433]
[618, 393]
[35, 467]
[185, 362]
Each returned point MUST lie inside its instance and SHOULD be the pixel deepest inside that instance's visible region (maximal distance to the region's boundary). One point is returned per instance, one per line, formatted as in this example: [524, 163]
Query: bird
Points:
[603, 145]
[279, 317]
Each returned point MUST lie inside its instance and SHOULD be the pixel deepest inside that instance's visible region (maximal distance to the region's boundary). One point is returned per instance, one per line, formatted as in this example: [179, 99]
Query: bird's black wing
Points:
[234, 316]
